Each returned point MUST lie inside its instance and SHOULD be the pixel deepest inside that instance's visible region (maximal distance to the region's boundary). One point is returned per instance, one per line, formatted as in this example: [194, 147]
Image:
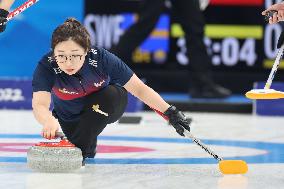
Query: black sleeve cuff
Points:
[4, 13]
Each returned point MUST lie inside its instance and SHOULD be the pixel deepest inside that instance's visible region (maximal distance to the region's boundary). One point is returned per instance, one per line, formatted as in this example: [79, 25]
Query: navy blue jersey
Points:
[101, 68]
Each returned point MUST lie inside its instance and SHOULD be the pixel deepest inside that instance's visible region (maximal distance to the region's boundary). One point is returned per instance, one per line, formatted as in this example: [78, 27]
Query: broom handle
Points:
[274, 68]
[196, 140]
[203, 146]
[21, 8]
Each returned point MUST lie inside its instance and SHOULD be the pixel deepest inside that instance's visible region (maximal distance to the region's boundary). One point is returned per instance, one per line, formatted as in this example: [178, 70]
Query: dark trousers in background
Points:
[83, 134]
[192, 21]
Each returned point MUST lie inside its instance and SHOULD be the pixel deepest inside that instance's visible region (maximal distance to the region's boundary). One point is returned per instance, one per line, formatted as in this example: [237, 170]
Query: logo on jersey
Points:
[67, 92]
[99, 84]
[94, 51]
[96, 108]
[57, 70]
[50, 59]
[93, 62]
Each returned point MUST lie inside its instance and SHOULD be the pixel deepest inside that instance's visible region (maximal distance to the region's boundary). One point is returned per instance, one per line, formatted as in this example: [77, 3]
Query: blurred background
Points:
[241, 46]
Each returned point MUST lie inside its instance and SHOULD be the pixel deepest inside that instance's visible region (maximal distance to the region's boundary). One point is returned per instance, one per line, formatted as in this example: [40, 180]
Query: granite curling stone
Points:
[60, 156]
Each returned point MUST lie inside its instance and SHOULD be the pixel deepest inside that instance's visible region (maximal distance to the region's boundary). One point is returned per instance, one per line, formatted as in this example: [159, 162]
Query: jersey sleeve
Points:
[43, 77]
[118, 71]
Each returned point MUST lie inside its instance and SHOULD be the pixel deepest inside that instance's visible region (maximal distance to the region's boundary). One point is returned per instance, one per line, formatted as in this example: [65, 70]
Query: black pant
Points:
[192, 21]
[83, 134]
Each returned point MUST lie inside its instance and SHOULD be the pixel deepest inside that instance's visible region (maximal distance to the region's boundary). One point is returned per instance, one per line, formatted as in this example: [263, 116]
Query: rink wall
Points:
[17, 94]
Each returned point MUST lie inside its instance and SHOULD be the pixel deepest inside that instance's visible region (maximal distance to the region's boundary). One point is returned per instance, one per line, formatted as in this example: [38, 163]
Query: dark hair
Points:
[74, 30]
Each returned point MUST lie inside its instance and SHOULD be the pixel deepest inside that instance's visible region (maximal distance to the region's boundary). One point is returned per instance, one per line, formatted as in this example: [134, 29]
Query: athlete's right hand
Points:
[3, 19]
[50, 127]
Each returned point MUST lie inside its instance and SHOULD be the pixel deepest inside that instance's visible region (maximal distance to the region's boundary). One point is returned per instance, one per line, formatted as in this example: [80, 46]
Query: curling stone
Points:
[60, 156]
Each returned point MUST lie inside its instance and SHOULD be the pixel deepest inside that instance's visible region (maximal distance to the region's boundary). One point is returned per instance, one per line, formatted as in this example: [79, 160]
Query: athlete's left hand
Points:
[178, 120]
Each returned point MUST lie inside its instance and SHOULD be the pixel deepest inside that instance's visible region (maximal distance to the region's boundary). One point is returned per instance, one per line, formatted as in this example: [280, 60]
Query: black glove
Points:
[177, 119]
[3, 19]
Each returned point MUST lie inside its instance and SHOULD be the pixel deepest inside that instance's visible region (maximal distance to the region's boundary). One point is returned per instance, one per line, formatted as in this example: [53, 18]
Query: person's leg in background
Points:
[192, 21]
[83, 134]
[139, 31]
